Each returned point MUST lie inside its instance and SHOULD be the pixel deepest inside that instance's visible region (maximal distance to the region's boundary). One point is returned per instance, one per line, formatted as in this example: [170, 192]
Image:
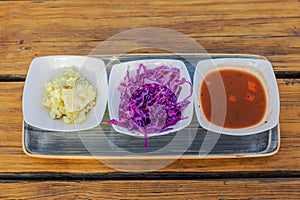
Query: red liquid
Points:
[245, 98]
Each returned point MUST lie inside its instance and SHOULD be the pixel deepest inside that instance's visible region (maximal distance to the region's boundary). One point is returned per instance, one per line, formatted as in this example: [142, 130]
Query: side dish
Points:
[149, 100]
[69, 97]
[245, 98]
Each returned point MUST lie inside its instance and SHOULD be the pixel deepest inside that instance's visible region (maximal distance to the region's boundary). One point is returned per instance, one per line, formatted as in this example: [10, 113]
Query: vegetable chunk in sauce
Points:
[245, 98]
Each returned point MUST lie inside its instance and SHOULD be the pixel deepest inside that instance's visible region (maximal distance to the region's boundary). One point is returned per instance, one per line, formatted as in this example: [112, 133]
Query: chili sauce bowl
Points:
[227, 108]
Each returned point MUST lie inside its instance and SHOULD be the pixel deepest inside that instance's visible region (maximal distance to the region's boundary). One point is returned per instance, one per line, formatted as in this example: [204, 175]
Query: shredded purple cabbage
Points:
[148, 101]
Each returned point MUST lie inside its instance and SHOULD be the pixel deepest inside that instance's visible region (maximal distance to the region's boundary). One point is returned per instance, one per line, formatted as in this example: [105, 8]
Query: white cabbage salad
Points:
[69, 96]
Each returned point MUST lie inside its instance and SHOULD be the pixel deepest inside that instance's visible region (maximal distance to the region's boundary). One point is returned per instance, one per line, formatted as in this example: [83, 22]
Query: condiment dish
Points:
[117, 75]
[261, 69]
[43, 70]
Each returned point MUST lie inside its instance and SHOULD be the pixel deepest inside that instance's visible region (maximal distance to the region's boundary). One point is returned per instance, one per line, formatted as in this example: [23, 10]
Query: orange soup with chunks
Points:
[245, 98]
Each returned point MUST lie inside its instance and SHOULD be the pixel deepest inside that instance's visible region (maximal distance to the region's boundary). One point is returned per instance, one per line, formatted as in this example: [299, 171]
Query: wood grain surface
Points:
[33, 28]
[164, 189]
[41, 28]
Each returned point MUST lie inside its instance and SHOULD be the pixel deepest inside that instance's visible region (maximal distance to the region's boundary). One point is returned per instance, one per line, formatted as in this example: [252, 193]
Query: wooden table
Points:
[39, 28]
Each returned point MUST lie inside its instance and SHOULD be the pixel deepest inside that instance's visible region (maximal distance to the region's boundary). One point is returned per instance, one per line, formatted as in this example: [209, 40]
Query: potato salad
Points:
[70, 97]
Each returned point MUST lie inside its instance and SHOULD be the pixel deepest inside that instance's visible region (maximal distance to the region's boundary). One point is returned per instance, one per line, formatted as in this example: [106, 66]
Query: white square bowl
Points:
[43, 70]
[117, 75]
[260, 68]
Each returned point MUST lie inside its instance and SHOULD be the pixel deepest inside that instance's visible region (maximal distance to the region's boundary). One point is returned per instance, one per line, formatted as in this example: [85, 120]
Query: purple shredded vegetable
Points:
[148, 101]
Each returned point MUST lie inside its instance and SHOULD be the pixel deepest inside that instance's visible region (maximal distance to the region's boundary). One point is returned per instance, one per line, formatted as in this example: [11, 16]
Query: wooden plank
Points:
[30, 29]
[12, 158]
[153, 189]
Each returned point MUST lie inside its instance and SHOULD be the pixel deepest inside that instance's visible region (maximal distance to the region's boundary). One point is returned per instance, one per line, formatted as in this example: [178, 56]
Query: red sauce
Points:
[245, 98]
